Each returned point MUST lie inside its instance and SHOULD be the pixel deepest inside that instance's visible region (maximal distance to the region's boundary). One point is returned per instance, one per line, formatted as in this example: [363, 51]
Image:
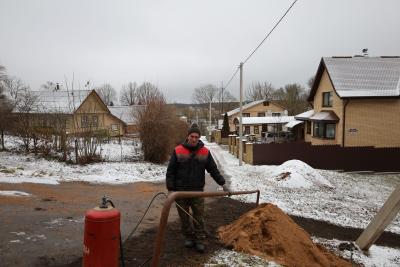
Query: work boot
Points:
[200, 247]
[189, 243]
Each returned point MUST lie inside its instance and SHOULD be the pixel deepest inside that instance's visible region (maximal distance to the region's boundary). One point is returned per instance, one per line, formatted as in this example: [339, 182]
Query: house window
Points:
[318, 129]
[256, 130]
[327, 99]
[261, 114]
[95, 121]
[114, 127]
[308, 127]
[84, 121]
[276, 114]
[246, 114]
[324, 130]
[266, 103]
[246, 129]
[330, 130]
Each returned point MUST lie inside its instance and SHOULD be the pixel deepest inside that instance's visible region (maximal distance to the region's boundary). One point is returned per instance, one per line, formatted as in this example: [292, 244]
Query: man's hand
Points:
[225, 188]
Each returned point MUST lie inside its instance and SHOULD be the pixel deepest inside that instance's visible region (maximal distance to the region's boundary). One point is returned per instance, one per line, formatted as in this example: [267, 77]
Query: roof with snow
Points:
[355, 77]
[62, 101]
[125, 113]
[267, 120]
[291, 124]
[305, 115]
[328, 115]
[251, 104]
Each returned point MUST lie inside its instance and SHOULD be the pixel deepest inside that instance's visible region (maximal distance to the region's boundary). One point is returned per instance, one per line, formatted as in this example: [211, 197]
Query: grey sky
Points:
[180, 45]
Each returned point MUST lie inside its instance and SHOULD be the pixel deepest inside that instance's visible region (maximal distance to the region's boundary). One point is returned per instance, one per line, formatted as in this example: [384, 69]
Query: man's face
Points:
[193, 138]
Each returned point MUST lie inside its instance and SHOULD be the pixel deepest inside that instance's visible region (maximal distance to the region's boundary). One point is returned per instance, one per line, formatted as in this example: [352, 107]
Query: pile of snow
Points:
[14, 193]
[297, 174]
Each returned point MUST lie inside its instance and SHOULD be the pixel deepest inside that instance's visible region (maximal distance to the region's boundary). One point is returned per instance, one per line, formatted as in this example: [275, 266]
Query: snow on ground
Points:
[127, 150]
[345, 199]
[20, 168]
[14, 193]
[236, 259]
[114, 151]
[375, 257]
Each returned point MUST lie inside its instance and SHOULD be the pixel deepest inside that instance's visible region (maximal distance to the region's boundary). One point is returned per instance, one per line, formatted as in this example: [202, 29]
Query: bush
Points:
[160, 130]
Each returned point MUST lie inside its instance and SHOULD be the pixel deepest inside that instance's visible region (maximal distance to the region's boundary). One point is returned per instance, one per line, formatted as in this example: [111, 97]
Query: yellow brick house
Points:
[259, 108]
[356, 102]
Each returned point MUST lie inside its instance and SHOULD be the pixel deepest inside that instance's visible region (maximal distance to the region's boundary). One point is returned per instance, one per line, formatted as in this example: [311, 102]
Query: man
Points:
[186, 172]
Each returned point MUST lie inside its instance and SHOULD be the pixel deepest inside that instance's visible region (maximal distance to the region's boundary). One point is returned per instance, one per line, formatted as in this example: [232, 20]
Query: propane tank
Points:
[101, 241]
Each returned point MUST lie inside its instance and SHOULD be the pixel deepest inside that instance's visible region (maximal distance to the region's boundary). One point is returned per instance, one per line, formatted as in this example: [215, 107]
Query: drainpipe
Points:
[167, 206]
[344, 121]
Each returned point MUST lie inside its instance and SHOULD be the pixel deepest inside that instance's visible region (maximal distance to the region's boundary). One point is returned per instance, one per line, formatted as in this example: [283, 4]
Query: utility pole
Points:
[209, 122]
[222, 97]
[240, 115]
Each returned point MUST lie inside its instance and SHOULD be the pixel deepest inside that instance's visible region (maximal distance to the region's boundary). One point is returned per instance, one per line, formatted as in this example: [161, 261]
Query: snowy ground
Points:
[340, 198]
[20, 167]
[345, 199]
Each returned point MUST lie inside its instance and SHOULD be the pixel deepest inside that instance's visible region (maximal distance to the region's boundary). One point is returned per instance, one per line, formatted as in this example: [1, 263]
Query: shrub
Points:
[160, 130]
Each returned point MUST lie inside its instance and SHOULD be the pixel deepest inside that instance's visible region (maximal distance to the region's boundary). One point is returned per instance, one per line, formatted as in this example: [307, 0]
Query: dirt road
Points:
[46, 229]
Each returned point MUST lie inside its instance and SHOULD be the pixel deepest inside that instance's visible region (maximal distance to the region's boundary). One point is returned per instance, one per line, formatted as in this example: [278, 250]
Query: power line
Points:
[270, 32]
[233, 76]
[279, 21]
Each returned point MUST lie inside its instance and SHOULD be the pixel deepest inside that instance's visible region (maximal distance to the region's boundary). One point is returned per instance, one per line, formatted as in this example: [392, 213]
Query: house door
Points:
[264, 128]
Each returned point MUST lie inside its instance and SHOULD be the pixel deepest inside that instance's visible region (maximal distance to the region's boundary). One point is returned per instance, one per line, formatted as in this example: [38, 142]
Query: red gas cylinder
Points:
[101, 237]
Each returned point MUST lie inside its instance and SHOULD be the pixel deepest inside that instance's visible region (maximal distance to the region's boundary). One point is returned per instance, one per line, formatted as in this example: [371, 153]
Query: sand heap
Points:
[269, 233]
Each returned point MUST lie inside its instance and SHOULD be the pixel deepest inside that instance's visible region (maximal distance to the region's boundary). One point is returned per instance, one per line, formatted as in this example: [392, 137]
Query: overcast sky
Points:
[181, 45]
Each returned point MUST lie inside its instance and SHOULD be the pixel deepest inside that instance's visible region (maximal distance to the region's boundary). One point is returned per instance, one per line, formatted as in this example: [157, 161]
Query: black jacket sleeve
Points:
[212, 168]
[171, 172]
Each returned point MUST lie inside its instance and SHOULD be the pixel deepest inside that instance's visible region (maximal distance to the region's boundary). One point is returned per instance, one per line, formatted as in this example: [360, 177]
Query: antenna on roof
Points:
[365, 52]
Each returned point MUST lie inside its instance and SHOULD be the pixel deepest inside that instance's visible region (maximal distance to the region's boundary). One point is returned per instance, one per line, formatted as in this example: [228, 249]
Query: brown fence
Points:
[329, 157]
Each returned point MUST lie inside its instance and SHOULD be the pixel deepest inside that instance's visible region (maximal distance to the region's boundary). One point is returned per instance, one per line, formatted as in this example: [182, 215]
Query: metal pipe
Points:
[158, 247]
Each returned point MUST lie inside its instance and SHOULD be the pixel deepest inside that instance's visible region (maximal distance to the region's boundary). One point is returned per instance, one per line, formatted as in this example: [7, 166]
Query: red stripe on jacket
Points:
[181, 150]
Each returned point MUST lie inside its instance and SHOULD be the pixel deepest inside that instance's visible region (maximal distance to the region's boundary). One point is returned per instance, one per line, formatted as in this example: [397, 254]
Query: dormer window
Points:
[327, 99]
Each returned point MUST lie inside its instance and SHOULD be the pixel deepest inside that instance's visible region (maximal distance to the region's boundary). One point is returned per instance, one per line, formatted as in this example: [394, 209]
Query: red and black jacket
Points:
[186, 168]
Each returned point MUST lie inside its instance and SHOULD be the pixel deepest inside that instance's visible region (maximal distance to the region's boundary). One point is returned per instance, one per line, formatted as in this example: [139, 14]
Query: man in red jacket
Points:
[186, 172]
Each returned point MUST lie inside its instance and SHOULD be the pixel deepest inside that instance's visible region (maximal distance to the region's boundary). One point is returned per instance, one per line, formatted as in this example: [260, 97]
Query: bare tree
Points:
[27, 104]
[107, 93]
[15, 87]
[310, 82]
[3, 74]
[260, 91]
[293, 97]
[49, 86]
[230, 102]
[5, 107]
[205, 94]
[147, 93]
[129, 94]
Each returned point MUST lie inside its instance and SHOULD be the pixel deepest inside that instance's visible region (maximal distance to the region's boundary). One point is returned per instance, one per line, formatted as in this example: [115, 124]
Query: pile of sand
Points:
[269, 233]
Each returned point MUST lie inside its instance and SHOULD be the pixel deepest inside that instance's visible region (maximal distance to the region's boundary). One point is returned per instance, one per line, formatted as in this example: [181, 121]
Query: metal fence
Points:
[332, 157]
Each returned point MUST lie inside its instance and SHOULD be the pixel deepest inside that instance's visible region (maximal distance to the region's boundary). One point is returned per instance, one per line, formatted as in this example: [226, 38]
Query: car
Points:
[279, 137]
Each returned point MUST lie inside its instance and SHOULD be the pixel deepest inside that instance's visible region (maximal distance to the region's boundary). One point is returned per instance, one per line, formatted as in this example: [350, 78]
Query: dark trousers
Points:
[197, 207]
